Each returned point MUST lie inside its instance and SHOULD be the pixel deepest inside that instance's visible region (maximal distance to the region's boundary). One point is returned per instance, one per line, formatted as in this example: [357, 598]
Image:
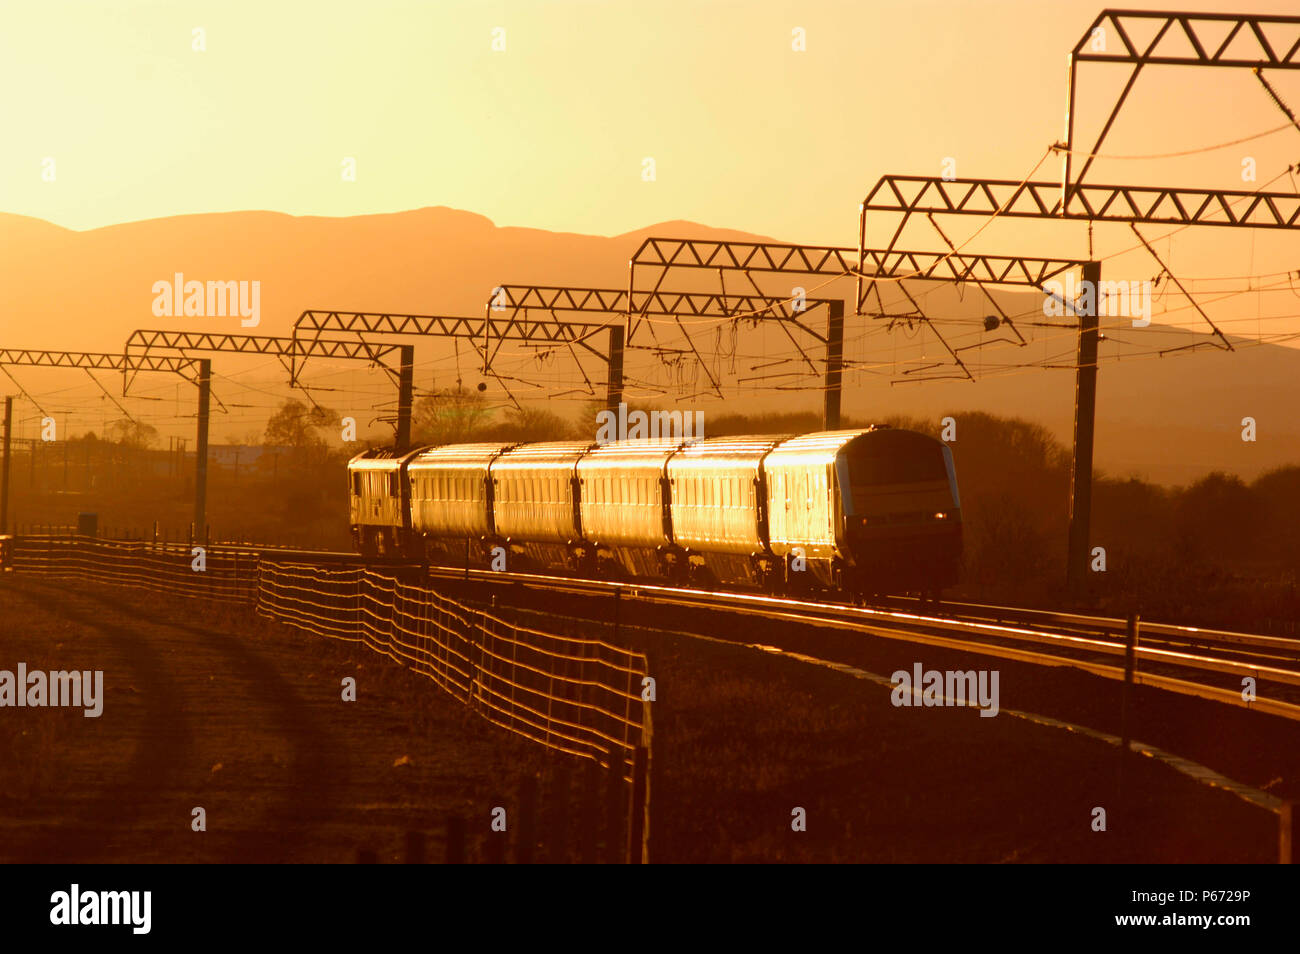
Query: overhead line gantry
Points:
[290, 351]
[86, 361]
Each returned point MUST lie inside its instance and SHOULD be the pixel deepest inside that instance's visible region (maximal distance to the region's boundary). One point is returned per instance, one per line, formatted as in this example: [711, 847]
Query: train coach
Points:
[874, 510]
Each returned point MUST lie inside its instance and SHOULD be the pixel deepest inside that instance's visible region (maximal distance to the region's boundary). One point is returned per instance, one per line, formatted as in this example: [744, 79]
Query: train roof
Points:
[821, 447]
[617, 453]
[746, 450]
[458, 456]
[379, 458]
[544, 452]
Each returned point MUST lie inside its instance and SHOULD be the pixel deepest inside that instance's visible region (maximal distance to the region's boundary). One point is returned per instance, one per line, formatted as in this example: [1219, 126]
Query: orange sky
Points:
[553, 130]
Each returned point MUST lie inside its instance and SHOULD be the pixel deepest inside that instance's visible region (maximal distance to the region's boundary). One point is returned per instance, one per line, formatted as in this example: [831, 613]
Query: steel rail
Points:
[1005, 632]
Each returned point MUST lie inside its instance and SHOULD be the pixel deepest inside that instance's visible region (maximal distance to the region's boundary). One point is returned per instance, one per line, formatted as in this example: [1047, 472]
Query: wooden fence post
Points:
[1288, 845]
[589, 814]
[615, 809]
[526, 832]
[494, 852]
[557, 811]
[415, 844]
[637, 807]
[455, 840]
[1130, 650]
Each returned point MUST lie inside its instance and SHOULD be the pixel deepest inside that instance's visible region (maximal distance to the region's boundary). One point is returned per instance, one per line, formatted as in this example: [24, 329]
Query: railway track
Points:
[1210, 664]
[1206, 663]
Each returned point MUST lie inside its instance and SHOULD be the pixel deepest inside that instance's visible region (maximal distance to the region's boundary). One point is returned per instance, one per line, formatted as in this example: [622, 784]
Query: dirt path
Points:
[250, 727]
[245, 719]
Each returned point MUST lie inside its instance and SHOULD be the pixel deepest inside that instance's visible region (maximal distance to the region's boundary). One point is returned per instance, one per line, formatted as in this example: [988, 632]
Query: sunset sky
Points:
[553, 131]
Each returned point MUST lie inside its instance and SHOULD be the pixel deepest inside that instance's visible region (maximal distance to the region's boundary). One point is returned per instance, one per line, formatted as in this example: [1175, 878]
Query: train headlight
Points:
[941, 515]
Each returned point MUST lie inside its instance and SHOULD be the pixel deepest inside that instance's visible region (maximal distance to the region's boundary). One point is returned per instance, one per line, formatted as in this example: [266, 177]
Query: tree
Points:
[295, 425]
[131, 433]
[533, 424]
[450, 416]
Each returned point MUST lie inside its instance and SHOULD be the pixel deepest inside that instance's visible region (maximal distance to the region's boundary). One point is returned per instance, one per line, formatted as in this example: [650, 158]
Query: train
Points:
[863, 512]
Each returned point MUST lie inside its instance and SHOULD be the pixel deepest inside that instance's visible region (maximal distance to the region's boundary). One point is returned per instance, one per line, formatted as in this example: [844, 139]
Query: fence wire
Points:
[577, 694]
[572, 693]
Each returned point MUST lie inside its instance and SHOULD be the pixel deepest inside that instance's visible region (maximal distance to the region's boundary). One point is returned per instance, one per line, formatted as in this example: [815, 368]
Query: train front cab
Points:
[378, 495]
[902, 513]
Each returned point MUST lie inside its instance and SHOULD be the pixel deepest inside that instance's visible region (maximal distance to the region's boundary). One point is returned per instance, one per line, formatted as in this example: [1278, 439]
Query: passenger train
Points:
[857, 512]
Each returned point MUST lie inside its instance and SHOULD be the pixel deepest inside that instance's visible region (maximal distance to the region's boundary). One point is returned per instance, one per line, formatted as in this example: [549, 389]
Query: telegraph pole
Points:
[201, 452]
[405, 396]
[614, 389]
[1085, 412]
[834, 363]
[4, 480]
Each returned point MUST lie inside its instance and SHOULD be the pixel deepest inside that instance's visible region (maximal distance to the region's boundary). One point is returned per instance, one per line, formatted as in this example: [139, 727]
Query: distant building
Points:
[243, 457]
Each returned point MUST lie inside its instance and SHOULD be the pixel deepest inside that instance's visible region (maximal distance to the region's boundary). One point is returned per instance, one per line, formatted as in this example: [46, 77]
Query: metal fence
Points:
[574, 693]
[228, 574]
[577, 694]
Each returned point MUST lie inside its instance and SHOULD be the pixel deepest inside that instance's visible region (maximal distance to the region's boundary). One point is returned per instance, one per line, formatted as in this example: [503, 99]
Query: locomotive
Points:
[856, 512]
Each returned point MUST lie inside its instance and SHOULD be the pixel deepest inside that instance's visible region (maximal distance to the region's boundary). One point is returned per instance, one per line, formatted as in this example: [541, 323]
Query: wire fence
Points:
[221, 574]
[573, 693]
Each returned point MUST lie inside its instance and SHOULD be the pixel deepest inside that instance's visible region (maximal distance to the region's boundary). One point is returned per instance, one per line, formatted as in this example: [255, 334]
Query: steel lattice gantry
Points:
[95, 360]
[831, 262]
[289, 351]
[747, 258]
[1096, 203]
[517, 299]
[481, 331]
[931, 195]
[87, 361]
[1174, 38]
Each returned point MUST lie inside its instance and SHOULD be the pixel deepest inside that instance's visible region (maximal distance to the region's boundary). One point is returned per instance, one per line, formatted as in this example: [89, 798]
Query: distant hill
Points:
[1169, 419]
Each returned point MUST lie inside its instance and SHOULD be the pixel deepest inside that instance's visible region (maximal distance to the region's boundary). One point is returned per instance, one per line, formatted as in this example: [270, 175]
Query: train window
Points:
[356, 485]
[896, 457]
